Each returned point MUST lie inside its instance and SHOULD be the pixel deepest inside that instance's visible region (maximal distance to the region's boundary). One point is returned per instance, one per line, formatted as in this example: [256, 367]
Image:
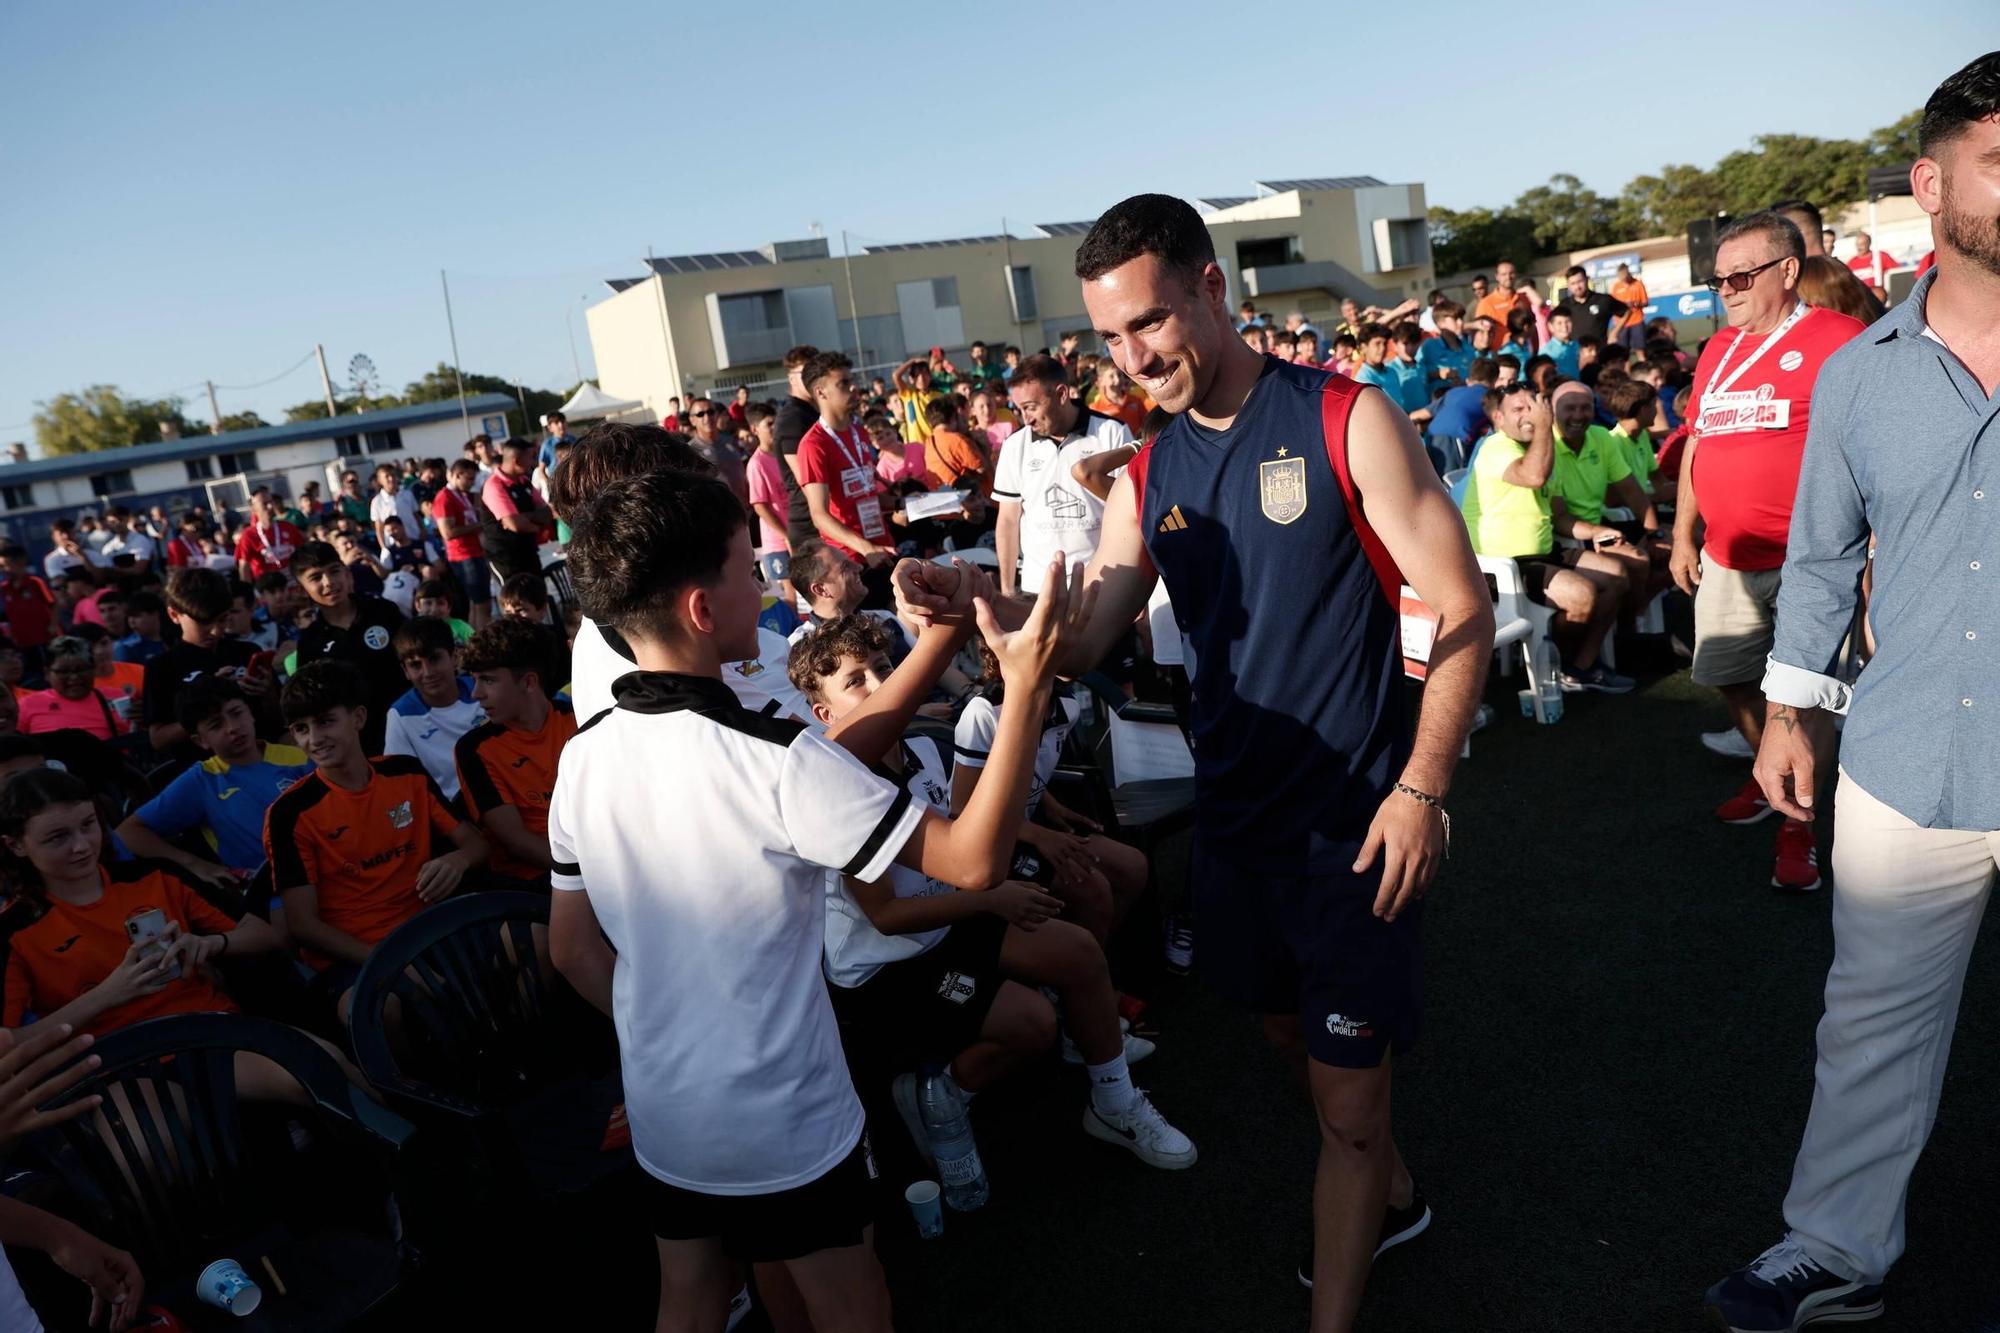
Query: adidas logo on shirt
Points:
[1173, 522]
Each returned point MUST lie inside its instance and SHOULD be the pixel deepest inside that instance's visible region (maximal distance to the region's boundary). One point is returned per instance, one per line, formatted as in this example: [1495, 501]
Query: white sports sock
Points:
[1111, 1089]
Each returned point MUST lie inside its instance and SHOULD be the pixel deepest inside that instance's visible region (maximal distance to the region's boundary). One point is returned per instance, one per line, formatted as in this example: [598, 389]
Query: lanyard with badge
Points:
[1724, 412]
[857, 481]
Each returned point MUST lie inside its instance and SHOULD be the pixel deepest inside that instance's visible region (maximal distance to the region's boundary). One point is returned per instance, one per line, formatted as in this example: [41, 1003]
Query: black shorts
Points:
[932, 1006]
[824, 1214]
[1312, 945]
[1536, 571]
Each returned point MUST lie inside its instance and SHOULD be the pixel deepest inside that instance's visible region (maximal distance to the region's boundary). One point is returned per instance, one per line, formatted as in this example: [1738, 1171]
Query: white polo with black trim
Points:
[703, 833]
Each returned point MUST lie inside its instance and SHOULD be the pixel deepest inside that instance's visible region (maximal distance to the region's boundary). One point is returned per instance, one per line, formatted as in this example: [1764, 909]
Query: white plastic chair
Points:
[1519, 625]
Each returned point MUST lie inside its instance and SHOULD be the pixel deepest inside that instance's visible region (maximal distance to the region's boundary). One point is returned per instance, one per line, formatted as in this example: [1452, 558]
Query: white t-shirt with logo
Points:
[855, 950]
[1057, 513]
[972, 739]
[703, 834]
[430, 735]
[761, 683]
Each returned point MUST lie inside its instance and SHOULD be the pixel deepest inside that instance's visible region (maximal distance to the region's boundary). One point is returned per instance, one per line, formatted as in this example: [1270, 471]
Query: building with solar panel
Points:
[707, 323]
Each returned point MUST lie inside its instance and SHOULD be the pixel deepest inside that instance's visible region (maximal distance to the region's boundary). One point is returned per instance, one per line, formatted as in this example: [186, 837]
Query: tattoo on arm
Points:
[1789, 716]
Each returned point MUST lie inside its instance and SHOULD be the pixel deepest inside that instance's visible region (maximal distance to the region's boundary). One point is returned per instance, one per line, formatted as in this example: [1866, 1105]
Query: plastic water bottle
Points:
[952, 1144]
[1550, 703]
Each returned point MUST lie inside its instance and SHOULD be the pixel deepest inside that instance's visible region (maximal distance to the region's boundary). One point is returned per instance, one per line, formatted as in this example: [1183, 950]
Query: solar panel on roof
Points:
[1321, 183]
[1228, 200]
[1064, 228]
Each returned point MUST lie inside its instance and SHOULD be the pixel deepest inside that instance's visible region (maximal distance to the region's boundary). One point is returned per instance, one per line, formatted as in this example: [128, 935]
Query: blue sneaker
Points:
[1784, 1291]
[1599, 678]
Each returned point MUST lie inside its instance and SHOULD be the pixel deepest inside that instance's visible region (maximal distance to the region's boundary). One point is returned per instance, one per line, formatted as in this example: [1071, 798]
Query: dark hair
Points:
[1780, 230]
[1147, 224]
[531, 589]
[145, 603]
[1576, 270]
[1507, 359]
[1042, 369]
[817, 654]
[1629, 398]
[422, 636]
[553, 417]
[826, 363]
[311, 556]
[203, 701]
[88, 632]
[27, 795]
[1520, 324]
[114, 596]
[321, 687]
[940, 410]
[1408, 332]
[1803, 208]
[614, 449]
[812, 560]
[643, 540]
[1483, 370]
[1370, 331]
[13, 551]
[757, 413]
[1967, 97]
[200, 594]
[799, 355]
[515, 645]
[271, 580]
[1447, 310]
[432, 588]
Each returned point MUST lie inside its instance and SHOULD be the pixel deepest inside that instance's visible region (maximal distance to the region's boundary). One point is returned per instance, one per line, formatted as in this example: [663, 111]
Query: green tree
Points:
[1893, 145]
[1478, 238]
[314, 409]
[1568, 215]
[242, 421]
[1664, 204]
[100, 417]
[1792, 166]
[440, 384]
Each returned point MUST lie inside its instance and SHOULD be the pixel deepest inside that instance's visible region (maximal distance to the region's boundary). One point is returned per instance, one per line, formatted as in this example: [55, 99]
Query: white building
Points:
[174, 473]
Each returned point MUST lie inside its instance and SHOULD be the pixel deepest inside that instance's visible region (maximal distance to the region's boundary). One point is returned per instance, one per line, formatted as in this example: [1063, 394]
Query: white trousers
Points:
[1906, 906]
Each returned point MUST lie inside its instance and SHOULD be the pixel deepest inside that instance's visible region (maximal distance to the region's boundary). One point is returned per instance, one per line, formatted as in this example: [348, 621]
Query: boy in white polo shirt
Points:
[691, 840]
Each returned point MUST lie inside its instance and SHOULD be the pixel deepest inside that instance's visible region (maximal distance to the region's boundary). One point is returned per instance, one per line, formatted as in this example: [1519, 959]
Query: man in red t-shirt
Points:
[29, 605]
[837, 473]
[456, 513]
[1750, 406]
[267, 542]
[1865, 261]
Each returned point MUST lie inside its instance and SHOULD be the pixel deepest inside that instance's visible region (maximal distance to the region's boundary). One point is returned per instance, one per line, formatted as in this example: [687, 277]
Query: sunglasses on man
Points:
[1741, 282]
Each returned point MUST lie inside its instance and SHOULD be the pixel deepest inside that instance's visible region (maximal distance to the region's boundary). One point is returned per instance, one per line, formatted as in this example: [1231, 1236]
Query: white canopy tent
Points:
[590, 403]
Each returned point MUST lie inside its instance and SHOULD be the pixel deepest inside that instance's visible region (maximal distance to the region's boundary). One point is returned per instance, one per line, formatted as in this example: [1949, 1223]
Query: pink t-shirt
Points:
[45, 710]
[767, 487]
[892, 469]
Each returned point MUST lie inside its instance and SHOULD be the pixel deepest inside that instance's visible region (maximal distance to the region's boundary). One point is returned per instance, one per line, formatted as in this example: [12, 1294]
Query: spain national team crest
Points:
[1281, 485]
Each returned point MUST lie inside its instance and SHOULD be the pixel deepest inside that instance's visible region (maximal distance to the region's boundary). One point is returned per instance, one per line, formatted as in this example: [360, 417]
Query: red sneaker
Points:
[1797, 870]
[1746, 806]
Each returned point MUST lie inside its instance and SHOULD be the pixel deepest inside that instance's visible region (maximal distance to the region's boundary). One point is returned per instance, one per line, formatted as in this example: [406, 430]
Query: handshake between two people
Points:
[1029, 642]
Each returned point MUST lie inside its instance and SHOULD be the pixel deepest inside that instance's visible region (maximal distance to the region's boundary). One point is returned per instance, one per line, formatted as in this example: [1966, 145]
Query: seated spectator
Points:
[1098, 877]
[198, 601]
[120, 682]
[830, 585]
[892, 944]
[355, 846]
[1445, 358]
[1635, 408]
[1520, 342]
[507, 765]
[28, 605]
[271, 623]
[433, 599]
[953, 458]
[352, 627]
[223, 798]
[1460, 418]
[1591, 473]
[1566, 354]
[1308, 355]
[145, 615]
[73, 963]
[113, 613]
[896, 460]
[1373, 366]
[1671, 449]
[1508, 513]
[364, 570]
[426, 721]
[526, 597]
[1409, 393]
[73, 701]
[1346, 354]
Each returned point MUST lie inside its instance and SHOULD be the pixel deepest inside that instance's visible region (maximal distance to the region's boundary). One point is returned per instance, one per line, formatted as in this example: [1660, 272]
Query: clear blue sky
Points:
[203, 190]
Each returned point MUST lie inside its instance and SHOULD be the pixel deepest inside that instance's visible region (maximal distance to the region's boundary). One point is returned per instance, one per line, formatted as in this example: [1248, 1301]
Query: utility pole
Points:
[674, 387]
[522, 399]
[853, 310]
[575, 361]
[465, 417]
[213, 410]
[325, 380]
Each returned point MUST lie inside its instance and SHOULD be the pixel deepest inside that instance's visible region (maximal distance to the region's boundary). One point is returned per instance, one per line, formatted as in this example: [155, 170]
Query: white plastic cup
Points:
[926, 1208]
[226, 1286]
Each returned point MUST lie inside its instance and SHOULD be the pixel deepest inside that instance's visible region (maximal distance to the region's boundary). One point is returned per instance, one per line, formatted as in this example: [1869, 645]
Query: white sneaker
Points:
[1136, 1048]
[1145, 1132]
[1728, 743]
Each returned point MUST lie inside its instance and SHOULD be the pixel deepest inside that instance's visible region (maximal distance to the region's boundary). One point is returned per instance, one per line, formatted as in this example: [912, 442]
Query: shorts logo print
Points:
[956, 987]
[1341, 1025]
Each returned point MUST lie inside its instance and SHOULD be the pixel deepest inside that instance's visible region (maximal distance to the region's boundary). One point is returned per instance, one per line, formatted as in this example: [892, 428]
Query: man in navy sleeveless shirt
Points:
[1285, 506]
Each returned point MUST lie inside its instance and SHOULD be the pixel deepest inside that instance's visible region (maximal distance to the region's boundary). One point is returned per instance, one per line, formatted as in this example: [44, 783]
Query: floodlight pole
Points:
[464, 416]
[853, 310]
